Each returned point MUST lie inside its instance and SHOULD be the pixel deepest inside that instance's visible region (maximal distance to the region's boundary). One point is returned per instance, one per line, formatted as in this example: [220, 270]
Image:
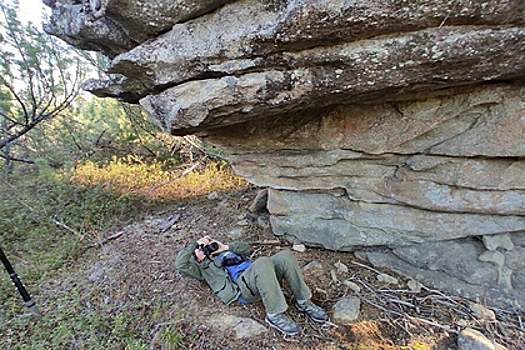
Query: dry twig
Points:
[267, 242]
[184, 173]
[434, 309]
[107, 239]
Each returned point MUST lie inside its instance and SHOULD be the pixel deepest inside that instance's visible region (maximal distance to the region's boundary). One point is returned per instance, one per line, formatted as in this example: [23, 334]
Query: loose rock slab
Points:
[470, 339]
[243, 327]
[347, 310]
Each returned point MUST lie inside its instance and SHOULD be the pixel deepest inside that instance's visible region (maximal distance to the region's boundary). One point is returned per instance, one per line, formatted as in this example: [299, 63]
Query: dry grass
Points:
[156, 180]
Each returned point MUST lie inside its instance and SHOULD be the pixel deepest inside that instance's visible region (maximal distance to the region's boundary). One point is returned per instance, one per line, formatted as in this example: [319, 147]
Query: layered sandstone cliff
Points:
[392, 128]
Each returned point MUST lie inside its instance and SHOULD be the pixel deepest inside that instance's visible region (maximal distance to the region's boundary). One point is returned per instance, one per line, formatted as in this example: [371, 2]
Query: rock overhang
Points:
[324, 52]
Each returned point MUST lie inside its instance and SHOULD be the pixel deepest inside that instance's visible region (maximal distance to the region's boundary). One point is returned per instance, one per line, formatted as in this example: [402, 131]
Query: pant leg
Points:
[260, 282]
[287, 267]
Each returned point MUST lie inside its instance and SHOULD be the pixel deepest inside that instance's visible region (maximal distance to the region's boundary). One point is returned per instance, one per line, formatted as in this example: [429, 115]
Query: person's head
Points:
[199, 254]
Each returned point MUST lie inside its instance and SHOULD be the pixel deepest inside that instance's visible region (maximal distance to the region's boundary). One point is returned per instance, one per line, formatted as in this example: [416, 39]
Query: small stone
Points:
[470, 339]
[494, 257]
[213, 195]
[415, 286]
[493, 242]
[246, 327]
[259, 203]
[462, 323]
[235, 234]
[353, 286]
[333, 275]
[342, 268]
[299, 248]
[387, 279]
[241, 217]
[481, 311]
[314, 267]
[242, 223]
[263, 221]
[347, 309]
[361, 255]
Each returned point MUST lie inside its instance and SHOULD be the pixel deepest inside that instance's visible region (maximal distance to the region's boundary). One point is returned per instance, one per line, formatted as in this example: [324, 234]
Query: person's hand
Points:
[222, 247]
[204, 240]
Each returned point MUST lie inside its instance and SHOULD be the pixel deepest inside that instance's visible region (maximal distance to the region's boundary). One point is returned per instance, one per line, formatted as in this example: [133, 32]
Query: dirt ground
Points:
[138, 269]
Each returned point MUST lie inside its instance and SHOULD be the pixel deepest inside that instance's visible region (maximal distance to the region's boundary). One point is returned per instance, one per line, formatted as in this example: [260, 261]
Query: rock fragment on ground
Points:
[353, 286]
[470, 339]
[482, 311]
[346, 310]
[259, 203]
[383, 277]
[243, 327]
[341, 268]
[213, 196]
[236, 234]
[314, 267]
[301, 248]
[414, 285]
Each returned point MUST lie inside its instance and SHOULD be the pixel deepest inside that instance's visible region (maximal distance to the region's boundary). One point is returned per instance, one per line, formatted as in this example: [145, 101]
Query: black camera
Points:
[231, 259]
[209, 248]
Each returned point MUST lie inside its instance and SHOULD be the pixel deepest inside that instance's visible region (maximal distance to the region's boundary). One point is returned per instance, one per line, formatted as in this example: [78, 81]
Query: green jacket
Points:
[211, 271]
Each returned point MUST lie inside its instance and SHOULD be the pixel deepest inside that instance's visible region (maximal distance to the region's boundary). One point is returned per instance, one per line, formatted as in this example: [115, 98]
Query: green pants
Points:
[261, 281]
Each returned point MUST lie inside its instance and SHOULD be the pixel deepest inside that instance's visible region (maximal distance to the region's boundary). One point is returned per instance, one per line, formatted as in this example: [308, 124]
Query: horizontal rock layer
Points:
[116, 26]
[310, 217]
[224, 43]
[343, 74]
[458, 151]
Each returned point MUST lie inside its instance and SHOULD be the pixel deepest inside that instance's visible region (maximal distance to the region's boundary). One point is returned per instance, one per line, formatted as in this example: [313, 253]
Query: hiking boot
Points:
[283, 323]
[313, 311]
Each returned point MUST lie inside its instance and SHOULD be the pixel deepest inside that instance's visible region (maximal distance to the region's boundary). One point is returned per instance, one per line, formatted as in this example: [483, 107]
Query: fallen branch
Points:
[414, 320]
[184, 173]
[367, 267]
[268, 242]
[167, 224]
[107, 239]
[204, 151]
[434, 324]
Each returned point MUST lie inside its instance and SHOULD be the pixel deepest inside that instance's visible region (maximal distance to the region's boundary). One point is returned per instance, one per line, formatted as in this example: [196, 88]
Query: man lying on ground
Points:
[231, 276]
